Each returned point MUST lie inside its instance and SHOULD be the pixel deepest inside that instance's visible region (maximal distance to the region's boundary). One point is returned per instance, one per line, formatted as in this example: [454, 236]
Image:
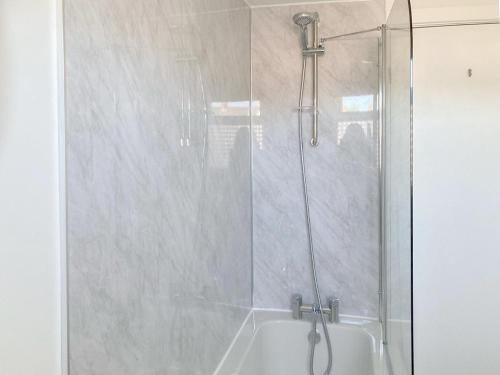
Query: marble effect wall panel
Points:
[159, 193]
[342, 171]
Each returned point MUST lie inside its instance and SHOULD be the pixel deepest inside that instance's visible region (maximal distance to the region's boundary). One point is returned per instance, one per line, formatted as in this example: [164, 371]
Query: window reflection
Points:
[357, 113]
[230, 120]
[361, 103]
[344, 126]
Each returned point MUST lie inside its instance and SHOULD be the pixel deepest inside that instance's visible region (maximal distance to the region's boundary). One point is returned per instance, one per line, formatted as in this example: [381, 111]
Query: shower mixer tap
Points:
[299, 309]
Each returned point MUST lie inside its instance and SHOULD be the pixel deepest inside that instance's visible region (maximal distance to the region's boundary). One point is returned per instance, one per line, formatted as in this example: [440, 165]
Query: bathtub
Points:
[272, 343]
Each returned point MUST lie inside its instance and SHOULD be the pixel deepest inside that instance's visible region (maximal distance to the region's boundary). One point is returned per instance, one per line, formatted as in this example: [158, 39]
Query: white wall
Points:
[29, 227]
[457, 201]
[424, 12]
[450, 10]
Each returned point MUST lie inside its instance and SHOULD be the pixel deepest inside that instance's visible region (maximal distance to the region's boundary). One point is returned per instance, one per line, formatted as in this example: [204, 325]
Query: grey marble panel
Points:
[342, 171]
[159, 197]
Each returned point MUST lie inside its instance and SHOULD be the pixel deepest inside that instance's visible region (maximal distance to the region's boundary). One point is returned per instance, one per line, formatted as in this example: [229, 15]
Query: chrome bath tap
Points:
[299, 309]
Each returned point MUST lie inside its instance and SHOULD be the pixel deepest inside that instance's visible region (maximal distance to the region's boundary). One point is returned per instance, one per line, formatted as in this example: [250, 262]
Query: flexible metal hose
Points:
[310, 236]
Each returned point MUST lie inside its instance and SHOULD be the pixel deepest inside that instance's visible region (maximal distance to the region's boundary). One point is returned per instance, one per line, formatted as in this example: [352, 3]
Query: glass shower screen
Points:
[397, 190]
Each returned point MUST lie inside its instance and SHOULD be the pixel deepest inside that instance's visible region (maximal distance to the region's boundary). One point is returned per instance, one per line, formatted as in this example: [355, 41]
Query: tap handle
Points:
[296, 305]
[334, 306]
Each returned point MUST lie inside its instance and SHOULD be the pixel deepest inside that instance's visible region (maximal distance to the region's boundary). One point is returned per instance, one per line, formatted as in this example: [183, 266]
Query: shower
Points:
[314, 49]
[303, 20]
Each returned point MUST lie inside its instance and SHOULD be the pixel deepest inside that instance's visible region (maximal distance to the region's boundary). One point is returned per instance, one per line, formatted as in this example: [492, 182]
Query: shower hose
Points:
[310, 238]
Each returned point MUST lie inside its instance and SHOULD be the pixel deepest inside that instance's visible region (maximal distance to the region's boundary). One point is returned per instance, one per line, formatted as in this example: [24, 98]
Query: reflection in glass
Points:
[362, 103]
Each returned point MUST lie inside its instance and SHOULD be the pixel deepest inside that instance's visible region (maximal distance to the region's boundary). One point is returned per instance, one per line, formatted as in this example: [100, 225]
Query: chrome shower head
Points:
[303, 20]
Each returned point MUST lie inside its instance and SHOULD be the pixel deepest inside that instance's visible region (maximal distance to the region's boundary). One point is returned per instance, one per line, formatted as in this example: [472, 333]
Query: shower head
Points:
[303, 20]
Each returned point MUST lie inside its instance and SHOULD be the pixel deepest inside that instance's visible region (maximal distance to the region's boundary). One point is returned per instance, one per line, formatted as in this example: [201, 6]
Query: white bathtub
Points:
[271, 343]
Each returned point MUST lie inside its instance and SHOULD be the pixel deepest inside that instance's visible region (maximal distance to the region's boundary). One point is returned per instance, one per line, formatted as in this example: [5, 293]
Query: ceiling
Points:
[415, 3]
[255, 3]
